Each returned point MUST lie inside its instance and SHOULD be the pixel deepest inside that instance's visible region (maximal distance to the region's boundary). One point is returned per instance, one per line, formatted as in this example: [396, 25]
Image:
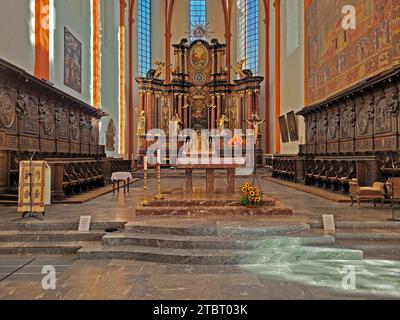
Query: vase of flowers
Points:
[251, 196]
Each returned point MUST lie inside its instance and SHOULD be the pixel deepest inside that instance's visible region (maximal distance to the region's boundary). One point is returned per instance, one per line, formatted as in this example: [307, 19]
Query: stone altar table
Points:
[210, 165]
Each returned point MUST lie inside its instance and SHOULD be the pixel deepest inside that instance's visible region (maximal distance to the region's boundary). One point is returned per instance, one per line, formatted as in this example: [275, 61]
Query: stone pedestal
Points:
[231, 180]
[210, 180]
[189, 181]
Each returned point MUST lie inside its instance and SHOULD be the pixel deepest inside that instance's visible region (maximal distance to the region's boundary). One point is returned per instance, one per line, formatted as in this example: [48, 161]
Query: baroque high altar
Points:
[199, 95]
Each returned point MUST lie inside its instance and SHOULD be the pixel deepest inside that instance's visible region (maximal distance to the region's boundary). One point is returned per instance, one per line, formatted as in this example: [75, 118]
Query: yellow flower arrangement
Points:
[251, 195]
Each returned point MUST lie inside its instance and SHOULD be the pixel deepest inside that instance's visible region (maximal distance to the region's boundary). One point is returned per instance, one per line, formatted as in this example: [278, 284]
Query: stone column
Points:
[212, 110]
[180, 60]
[185, 63]
[231, 180]
[219, 61]
[176, 60]
[213, 62]
[249, 107]
[189, 181]
[256, 101]
[180, 105]
[148, 111]
[219, 106]
[185, 111]
[242, 112]
[210, 181]
[141, 103]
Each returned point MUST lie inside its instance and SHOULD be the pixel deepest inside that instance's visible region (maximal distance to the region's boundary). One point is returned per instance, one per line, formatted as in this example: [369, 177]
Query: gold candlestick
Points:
[145, 202]
[159, 195]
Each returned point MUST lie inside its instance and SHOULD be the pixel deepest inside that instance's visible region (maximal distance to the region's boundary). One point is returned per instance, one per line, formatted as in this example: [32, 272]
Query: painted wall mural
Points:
[337, 59]
[72, 61]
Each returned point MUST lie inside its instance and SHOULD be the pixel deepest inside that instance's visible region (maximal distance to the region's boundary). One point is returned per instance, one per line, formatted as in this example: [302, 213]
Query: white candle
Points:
[145, 163]
[158, 156]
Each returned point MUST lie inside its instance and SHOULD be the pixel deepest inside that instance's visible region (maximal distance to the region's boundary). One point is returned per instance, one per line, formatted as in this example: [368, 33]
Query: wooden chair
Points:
[375, 193]
[396, 190]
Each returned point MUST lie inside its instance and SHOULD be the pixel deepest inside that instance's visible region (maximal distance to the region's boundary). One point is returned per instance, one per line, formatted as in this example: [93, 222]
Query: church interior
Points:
[199, 149]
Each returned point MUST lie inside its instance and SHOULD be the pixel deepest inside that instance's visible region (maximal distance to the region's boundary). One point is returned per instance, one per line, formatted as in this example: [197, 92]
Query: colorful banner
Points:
[338, 59]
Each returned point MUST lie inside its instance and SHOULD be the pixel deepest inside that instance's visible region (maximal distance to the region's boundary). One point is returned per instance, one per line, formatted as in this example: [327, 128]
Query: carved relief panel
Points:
[46, 119]
[365, 110]
[61, 119]
[85, 128]
[347, 119]
[322, 126]
[311, 126]
[333, 123]
[31, 115]
[7, 109]
[74, 125]
[382, 122]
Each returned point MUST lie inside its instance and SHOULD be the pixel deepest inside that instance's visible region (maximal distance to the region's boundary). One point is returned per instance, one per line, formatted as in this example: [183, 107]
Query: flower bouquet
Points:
[251, 196]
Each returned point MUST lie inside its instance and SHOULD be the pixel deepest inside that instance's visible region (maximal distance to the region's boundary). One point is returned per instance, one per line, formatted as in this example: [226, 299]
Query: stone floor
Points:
[20, 277]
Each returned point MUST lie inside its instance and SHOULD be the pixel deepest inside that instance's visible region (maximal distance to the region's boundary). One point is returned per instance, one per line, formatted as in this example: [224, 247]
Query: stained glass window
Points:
[197, 16]
[144, 36]
[248, 33]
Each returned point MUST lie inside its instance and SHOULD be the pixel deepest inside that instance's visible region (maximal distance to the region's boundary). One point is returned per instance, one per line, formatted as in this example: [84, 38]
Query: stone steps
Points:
[50, 236]
[19, 248]
[182, 202]
[389, 250]
[57, 226]
[211, 242]
[163, 227]
[213, 211]
[371, 235]
[360, 225]
[218, 257]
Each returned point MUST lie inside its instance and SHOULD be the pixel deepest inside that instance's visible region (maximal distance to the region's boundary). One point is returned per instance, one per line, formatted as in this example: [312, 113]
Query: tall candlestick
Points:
[145, 201]
[159, 194]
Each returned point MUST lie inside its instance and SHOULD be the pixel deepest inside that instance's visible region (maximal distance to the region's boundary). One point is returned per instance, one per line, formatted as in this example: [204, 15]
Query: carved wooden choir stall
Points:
[37, 118]
[354, 136]
[199, 95]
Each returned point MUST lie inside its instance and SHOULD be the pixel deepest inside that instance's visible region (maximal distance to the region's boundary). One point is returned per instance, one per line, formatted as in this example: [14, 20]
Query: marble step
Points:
[214, 211]
[213, 230]
[217, 257]
[204, 202]
[48, 236]
[360, 225]
[57, 225]
[372, 235]
[211, 242]
[18, 248]
[389, 250]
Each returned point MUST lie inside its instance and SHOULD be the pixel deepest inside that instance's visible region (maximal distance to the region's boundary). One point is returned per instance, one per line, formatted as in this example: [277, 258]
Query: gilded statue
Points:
[141, 126]
[222, 122]
[159, 68]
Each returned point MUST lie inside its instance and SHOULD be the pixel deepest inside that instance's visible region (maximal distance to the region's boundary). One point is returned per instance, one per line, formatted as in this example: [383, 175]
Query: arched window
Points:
[248, 33]
[144, 36]
[197, 16]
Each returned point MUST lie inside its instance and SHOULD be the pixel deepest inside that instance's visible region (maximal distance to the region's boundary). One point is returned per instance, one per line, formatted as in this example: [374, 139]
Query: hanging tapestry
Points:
[339, 59]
